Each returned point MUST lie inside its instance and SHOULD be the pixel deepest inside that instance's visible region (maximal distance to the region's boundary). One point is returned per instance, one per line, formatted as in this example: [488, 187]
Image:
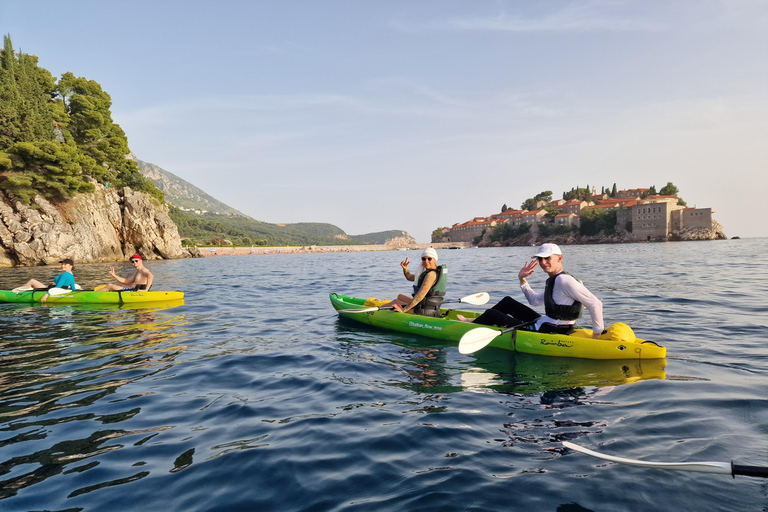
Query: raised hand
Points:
[528, 269]
[404, 263]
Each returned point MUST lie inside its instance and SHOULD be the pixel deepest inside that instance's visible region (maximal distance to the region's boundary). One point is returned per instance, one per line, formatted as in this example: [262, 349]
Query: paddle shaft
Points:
[700, 467]
[756, 471]
[477, 299]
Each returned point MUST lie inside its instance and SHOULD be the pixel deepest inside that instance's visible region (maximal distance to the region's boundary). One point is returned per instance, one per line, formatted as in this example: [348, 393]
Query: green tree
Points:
[593, 221]
[50, 168]
[530, 203]
[614, 191]
[669, 190]
[504, 208]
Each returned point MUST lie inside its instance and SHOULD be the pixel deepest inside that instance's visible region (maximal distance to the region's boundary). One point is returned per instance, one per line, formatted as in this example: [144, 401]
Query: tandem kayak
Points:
[89, 297]
[580, 344]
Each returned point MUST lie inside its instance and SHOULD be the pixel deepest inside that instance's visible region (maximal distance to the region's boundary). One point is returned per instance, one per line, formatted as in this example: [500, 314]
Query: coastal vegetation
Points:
[213, 229]
[57, 138]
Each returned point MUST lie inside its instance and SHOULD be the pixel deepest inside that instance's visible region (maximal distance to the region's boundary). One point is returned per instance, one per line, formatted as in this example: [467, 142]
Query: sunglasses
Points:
[541, 258]
[426, 259]
[134, 261]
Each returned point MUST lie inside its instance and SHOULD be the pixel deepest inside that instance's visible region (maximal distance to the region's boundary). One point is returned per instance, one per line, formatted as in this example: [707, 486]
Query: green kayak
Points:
[89, 297]
[580, 344]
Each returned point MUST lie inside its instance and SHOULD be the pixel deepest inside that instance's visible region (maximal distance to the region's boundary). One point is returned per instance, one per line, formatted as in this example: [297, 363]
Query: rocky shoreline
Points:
[106, 225]
[689, 234]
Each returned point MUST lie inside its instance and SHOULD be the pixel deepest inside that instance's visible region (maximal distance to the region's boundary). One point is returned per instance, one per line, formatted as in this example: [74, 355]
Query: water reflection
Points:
[57, 366]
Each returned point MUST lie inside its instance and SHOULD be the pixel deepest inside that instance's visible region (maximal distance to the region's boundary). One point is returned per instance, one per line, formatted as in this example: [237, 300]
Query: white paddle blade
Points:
[58, 291]
[477, 299]
[701, 467]
[476, 339]
[22, 289]
[364, 310]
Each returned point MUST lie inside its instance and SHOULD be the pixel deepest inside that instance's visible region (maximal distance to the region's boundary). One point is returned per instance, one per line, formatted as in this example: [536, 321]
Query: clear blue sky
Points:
[414, 115]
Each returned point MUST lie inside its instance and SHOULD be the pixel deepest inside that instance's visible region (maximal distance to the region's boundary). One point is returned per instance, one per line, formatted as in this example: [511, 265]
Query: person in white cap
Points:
[563, 298]
[428, 286]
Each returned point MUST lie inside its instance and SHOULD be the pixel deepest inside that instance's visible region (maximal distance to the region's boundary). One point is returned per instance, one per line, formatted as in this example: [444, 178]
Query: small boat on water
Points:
[88, 297]
[579, 344]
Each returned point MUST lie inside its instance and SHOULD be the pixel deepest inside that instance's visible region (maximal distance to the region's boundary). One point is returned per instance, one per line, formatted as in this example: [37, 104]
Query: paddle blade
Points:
[22, 289]
[99, 287]
[477, 299]
[476, 339]
[58, 291]
[364, 310]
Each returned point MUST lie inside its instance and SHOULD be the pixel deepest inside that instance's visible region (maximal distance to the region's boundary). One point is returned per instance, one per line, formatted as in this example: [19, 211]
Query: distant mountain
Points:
[182, 194]
[201, 219]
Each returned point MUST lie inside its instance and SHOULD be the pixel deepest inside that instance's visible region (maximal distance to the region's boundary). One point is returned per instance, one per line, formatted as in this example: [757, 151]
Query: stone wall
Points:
[106, 225]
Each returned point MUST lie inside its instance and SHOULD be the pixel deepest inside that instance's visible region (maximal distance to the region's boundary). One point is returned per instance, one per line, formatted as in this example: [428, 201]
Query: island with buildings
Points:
[585, 216]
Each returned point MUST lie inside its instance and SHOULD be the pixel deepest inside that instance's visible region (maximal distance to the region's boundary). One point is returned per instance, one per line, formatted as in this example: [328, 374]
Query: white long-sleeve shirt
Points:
[567, 291]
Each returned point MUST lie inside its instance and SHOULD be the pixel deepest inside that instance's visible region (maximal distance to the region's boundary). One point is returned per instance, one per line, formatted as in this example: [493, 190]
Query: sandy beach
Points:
[318, 249]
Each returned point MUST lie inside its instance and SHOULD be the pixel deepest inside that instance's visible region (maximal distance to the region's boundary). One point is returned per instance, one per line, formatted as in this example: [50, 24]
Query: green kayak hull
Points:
[90, 297]
[449, 328]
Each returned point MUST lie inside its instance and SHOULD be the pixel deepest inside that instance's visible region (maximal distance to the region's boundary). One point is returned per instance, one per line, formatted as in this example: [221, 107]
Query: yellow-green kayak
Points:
[449, 328]
[89, 297]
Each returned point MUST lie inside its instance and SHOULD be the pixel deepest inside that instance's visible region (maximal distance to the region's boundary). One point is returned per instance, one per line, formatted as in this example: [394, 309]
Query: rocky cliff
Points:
[106, 225]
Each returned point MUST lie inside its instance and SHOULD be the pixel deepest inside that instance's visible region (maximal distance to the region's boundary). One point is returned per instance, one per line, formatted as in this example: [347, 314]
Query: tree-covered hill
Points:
[213, 229]
[57, 138]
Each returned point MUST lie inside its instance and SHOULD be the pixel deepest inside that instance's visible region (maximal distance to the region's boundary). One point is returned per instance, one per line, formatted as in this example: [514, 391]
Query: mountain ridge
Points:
[203, 219]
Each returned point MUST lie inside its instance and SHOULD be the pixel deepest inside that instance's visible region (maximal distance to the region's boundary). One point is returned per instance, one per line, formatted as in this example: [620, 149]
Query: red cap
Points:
[136, 256]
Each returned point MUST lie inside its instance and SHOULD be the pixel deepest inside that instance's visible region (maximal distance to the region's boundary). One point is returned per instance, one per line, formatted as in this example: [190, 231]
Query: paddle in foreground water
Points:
[728, 468]
[477, 299]
[479, 338]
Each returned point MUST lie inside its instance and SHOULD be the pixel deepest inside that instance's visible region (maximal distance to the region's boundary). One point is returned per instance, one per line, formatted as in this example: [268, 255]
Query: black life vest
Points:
[430, 306]
[559, 311]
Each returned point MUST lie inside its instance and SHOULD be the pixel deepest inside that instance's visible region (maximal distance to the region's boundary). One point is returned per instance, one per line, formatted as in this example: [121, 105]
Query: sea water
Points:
[254, 395]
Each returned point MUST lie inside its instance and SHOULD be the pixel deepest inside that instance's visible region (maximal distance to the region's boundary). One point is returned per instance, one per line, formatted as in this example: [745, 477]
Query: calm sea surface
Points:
[253, 395]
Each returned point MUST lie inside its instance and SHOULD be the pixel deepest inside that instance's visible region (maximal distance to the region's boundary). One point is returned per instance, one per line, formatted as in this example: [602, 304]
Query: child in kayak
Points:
[64, 280]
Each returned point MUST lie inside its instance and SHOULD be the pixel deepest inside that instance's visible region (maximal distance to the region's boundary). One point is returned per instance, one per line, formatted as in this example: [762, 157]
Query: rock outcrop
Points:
[106, 225]
[715, 233]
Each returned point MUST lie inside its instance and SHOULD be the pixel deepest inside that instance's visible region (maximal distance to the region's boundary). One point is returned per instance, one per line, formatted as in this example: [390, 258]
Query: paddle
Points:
[50, 291]
[477, 299]
[478, 338]
[728, 468]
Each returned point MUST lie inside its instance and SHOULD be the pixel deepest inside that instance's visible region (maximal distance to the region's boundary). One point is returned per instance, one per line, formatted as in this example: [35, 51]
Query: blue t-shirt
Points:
[65, 279]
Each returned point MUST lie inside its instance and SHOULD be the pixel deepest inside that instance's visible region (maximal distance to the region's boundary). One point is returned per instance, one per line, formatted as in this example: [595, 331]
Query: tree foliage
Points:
[530, 203]
[593, 221]
[669, 190]
[506, 231]
[56, 138]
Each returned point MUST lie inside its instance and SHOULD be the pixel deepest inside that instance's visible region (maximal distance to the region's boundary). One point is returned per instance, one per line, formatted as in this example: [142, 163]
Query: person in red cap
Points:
[563, 298]
[141, 280]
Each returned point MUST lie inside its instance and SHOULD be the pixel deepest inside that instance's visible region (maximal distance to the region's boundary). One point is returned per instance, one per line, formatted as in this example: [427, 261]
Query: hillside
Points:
[202, 219]
[180, 193]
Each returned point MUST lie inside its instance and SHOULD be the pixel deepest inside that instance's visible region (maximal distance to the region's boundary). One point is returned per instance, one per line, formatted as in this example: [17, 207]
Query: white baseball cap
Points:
[547, 250]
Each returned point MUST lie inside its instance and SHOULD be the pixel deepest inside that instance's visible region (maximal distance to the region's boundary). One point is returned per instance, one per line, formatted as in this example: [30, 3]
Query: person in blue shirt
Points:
[64, 280]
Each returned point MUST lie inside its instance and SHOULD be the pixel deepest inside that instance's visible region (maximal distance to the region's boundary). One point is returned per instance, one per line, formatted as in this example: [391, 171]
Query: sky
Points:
[414, 115]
